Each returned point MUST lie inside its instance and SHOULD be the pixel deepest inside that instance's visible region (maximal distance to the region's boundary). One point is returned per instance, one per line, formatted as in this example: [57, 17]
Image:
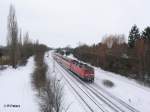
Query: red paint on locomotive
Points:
[82, 70]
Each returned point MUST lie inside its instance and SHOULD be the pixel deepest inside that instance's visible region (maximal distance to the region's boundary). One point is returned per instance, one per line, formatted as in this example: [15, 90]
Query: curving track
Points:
[84, 95]
[94, 97]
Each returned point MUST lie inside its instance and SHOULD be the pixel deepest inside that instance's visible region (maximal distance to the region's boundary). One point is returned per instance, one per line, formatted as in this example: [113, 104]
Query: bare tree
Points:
[111, 40]
[12, 39]
[20, 45]
[52, 96]
[26, 40]
[140, 52]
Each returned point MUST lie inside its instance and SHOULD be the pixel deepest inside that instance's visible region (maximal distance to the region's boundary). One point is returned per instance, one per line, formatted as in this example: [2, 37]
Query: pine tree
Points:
[146, 33]
[133, 36]
[146, 37]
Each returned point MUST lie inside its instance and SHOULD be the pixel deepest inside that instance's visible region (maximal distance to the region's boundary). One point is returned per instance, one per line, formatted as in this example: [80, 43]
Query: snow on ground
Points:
[16, 89]
[70, 100]
[126, 89]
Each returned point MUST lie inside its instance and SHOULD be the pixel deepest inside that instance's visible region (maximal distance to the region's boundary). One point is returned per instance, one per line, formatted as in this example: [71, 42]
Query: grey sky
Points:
[62, 22]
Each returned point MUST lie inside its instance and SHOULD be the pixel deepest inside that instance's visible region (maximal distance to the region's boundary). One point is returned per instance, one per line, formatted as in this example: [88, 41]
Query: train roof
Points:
[84, 66]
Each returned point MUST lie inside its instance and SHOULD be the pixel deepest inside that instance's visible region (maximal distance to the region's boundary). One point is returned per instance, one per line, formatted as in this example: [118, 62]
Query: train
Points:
[83, 71]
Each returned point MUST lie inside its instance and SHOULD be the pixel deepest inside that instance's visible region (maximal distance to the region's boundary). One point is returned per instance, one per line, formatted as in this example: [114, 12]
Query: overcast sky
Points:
[59, 23]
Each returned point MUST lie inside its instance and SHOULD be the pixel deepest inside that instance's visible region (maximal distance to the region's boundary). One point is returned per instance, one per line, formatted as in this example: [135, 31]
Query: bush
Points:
[108, 83]
[48, 89]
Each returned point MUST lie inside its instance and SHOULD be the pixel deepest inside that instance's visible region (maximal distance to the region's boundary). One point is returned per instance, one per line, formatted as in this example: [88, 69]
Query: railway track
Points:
[79, 95]
[99, 95]
[103, 108]
[123, 107]
[114, 97]
[82, 98]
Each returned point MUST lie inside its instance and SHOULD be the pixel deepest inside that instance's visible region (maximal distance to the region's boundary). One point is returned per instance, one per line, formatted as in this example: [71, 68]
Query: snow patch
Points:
[16, 89]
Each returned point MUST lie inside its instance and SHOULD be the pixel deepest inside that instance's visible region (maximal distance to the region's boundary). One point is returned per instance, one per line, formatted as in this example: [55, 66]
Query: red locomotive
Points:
[83, 71]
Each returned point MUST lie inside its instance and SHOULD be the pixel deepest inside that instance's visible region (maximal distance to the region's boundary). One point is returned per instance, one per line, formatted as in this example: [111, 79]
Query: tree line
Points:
[19, 47]
[114, 54]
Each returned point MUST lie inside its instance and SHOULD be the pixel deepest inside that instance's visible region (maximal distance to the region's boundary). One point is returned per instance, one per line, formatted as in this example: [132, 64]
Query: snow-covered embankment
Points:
[16, 93]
